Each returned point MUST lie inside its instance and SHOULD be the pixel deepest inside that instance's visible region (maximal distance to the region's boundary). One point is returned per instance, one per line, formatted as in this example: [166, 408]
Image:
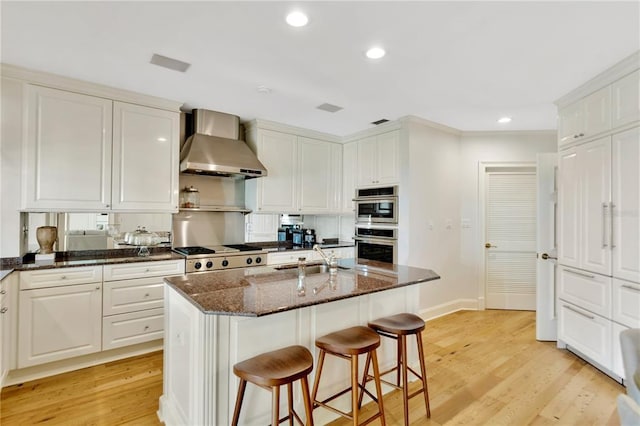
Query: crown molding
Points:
[285, 128]
[86, 88]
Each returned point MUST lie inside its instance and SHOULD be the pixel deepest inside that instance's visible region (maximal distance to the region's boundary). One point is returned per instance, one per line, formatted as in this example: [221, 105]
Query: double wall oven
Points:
[376, 230]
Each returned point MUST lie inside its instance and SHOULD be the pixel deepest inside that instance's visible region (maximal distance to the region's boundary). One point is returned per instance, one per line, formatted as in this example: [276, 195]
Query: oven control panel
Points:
[227, 262]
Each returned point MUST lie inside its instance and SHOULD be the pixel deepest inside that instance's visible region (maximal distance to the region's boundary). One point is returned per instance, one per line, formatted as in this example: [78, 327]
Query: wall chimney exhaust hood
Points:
[214, 148]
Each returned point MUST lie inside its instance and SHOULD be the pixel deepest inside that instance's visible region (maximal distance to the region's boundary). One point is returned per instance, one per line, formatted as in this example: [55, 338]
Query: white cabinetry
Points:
[58, 320]
[625, 100]
[87, 153]
[133, 302]
[349, 174]
[291, 256]
[585, 118]
[8, 309]
[599, 215]
[379, 159]
[304, 174]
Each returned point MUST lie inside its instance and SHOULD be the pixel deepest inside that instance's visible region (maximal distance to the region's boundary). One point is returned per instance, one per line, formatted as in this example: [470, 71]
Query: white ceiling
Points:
[462, 64]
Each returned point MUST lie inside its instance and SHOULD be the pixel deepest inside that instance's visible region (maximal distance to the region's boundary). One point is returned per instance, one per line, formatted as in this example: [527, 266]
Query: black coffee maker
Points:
[308, 237]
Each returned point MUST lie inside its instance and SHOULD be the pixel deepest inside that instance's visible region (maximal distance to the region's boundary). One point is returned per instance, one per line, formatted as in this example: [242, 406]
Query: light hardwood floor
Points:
[485, 368]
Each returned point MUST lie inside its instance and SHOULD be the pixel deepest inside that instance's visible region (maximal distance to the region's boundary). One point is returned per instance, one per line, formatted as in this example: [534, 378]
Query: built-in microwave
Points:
[376, 243]
[377, 205]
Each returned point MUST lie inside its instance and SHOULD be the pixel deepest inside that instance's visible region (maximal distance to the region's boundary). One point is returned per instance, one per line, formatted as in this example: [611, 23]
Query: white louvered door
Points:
[510, 255]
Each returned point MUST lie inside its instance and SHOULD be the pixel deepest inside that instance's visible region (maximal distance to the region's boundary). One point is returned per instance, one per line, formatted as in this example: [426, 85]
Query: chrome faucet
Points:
[331, 260]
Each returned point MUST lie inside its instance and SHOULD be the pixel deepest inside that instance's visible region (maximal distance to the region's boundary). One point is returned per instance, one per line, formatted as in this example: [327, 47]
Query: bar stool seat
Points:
[348, 344]
[398, 327]
[271, 370]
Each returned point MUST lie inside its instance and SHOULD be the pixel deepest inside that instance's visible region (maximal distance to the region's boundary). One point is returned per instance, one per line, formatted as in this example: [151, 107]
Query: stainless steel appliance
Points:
[214, 258]
[214, 148]
[378, 243]
[377, 205]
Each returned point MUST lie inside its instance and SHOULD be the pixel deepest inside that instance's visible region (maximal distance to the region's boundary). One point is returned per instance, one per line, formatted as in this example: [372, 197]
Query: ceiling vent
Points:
[378, 122]
[172, 64]
[329, 107]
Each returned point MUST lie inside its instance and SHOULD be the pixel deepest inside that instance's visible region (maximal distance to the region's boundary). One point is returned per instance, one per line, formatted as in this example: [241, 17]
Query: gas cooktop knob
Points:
[209, 264]
[197, 265]
[225, 263]
[249, 261]
[258, 259]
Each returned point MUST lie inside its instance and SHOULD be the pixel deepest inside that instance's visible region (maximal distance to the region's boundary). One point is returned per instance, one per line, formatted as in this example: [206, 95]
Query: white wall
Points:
[476, 148]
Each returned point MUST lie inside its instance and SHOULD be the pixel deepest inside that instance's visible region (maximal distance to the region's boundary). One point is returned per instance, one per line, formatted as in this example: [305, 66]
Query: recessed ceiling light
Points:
[297, 19]
[376, 53]
[504, 120]
[263, 89]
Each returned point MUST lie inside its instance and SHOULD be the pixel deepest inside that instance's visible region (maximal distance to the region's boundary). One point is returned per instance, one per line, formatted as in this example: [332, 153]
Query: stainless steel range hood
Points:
[214, 148]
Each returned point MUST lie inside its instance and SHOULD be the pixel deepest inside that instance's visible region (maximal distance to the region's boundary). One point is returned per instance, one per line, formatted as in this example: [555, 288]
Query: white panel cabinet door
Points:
[569, 123]
[59, 322]
[67, 163]
[349, 176]
[595, 163]
[569, 209]
[367, 159]
[314, 168]
[625, 100]
[388, 161]
[277, 191]
[597, 112]
[625, 207]
[626, 303]
[145, 158]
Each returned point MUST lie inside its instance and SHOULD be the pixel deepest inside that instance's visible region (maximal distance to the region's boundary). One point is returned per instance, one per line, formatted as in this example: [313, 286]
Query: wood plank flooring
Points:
[485, 368]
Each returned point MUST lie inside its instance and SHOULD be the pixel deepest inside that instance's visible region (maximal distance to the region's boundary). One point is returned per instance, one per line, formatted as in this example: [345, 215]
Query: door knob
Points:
[488, 245]
[545, 256]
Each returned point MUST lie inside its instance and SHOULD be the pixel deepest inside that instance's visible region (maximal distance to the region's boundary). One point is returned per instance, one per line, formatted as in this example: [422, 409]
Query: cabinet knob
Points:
[3, 291]
[4, 310]
[147, 270]
[146, 295]
[146, 327]
[97, 287]
[64, 277]
[107, 205]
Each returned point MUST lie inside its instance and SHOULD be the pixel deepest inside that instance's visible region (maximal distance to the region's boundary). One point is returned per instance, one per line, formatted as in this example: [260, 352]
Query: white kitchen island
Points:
[214, 320]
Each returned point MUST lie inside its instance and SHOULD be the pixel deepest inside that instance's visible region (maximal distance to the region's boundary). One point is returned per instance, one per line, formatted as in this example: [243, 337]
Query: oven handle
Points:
[389, 242]
[375, 199]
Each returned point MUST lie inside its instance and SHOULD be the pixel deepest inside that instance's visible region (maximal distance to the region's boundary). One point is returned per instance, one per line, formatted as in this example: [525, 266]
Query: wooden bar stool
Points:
[348, 344]
[270, 370]
[398, 327]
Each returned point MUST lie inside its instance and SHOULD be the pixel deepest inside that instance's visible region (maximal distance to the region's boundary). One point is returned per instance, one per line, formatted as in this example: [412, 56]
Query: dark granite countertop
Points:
[266, 290]
[92, 258]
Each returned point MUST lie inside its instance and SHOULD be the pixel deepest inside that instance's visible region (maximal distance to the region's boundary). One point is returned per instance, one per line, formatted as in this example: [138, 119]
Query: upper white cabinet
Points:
[625, 100]
[378, 159]
[625, 204]
[349, 173]
[145, 158]
[303, 174]
[67, 161]
[88, 153]
[585, 118]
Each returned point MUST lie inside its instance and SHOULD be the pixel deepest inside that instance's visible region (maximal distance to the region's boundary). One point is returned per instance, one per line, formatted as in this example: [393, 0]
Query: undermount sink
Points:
[310, 269]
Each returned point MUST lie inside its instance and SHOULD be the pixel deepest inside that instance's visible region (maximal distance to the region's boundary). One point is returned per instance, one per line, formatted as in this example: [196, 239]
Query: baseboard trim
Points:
[448, 308]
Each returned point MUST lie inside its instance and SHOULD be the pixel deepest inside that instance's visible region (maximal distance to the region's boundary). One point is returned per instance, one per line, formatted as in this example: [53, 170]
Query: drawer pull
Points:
[146, 327]
[147, 270]
[579, 312]
[582, 274]
[631, 287]
[146, 295]
[64, 277]
[3, 291]
[4, 310]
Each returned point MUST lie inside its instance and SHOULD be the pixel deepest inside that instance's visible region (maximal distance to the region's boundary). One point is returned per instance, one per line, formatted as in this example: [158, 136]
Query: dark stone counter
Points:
[266, 290]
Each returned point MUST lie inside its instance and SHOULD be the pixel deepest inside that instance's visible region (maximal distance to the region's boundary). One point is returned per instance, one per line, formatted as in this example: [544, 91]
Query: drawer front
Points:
[120, 297]
[132, 328]
[626, 303]
[288, 257]
[588, 290]
[588, 333]
[125, 271]
[60, 277]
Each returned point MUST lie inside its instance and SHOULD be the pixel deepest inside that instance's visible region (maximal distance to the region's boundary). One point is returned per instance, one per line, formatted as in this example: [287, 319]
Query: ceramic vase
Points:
[46, 236]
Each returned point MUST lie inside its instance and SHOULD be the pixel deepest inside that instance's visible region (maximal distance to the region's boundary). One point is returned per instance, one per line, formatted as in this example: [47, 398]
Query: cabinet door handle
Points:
[631, 287]
[604, 224]
[582, 274]
[611, 230]
[579, 312]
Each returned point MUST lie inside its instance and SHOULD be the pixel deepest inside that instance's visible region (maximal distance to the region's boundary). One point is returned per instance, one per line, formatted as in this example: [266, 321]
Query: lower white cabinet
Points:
[291, 256]
[588, 333]
[585, 289]
[129, 329]
[626, 303]
[59, 322]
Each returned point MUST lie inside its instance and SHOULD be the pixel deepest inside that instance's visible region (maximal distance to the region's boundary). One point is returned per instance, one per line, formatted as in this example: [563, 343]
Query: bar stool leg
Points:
[317, 378]
[405, 379]
[365, 379]
[376, 372]
[290, 402]
[354, 388]
[236, 411]
[275, 406]
[423, 371]
[308, 408]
